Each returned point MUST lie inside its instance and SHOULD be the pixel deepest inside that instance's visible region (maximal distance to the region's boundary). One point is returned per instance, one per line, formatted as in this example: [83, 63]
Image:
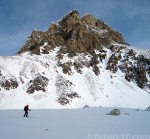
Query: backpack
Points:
[25, 108]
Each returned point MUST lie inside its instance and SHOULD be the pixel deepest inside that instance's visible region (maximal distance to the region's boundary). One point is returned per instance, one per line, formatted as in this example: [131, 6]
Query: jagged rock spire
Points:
[75, 34]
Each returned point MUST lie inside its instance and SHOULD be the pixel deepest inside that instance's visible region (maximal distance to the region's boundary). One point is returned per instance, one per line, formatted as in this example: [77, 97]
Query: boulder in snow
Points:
[114, 112]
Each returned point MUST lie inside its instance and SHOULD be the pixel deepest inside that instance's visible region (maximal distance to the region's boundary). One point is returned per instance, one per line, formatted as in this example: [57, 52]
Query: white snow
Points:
[107, 89]
[140, 51]
[89, 123]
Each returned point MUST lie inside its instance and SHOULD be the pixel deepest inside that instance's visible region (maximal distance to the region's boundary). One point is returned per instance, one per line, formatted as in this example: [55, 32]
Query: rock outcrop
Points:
[39, 83]
[115, 112]
[78, 34]
[9, 84]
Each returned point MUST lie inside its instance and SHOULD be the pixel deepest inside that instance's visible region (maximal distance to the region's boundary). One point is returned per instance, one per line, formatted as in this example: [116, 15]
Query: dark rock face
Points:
[74, 32]
[94, 60]
[96, 70]
[78, 67]
[0, 73]
[9, 84]
[65, 99]
[39, 83]
[112, 63]
[137, 74]
[135, 71]
[64, 91]
[67, 68]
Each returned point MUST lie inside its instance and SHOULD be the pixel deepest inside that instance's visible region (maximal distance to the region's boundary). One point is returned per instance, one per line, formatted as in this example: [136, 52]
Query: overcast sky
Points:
[19, 17]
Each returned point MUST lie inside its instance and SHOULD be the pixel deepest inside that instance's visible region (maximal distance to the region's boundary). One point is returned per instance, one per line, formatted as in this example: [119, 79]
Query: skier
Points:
[26, 109]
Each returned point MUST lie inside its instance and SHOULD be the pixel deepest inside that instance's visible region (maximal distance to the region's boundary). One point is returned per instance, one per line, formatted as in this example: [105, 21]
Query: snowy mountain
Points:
[77, 62]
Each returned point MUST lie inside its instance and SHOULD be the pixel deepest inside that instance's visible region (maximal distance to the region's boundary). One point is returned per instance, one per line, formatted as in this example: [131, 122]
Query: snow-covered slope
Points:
[106, 89]
[77, 62]
[91, 123]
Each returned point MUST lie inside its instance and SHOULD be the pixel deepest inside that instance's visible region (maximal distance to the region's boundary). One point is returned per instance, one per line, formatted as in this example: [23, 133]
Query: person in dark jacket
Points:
[26, 109]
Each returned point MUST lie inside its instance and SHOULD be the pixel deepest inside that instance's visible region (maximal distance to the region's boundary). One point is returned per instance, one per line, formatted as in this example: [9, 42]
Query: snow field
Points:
[73, 123]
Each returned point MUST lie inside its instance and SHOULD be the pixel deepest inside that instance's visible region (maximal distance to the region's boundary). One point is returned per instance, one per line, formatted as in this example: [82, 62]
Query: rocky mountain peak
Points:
[91, 20]
[78, 61]
[73, 33]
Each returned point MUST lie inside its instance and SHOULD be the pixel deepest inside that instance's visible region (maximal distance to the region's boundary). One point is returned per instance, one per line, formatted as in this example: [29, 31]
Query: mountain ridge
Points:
[78, 34]
[78, 61]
